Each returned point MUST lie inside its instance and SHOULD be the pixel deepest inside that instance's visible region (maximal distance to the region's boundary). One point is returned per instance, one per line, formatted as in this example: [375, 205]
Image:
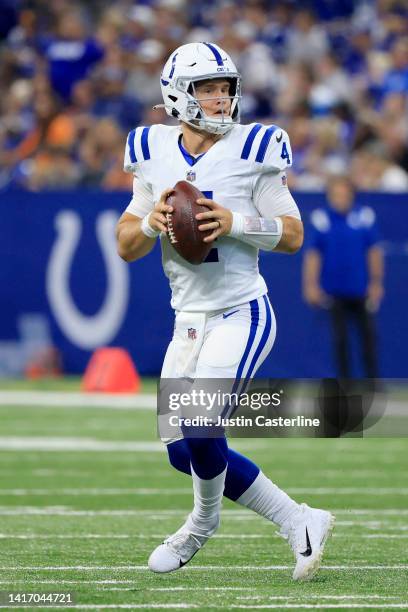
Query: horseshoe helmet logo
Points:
[87, 332]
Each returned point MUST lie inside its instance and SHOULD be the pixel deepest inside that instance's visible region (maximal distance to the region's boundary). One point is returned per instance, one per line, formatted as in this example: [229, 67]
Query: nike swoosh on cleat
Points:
[229, 314]
[308, 550]
[183, 563]
[278, 139]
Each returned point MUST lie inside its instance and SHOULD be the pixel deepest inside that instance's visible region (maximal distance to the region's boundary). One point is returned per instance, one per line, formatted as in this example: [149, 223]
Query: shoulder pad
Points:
[267, 146]
[142, 145]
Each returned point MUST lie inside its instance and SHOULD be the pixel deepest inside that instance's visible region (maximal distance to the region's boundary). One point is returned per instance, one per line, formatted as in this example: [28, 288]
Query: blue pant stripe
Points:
[259, 349]
[263, 341]
[264, 143]
[249, 141]
[252, 333]
[131, 142]
[145, 143]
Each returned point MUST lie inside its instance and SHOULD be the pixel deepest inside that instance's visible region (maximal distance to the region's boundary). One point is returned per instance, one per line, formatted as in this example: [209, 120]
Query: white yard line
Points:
[151, 536]
[85, 444]
[320, 596]
[174, 589]
[231, 514]
[375, 511]
[124, 401]
[381, 536]
[261, 597]
[183, 605]
[94, 568]
[112, 606]
[324, 606]
[90, 491]
[79, 473]
[64, 581]
[348, 490]
[57, 511]
[67, 399]
[188, 491]
[31, 443]
[79, 444]
[272, 597]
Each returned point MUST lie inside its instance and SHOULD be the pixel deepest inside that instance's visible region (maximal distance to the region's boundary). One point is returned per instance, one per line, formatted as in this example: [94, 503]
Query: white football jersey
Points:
[233, 172]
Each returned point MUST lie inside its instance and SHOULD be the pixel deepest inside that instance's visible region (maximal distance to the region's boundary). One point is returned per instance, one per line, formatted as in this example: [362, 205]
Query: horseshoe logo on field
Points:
[87, 332]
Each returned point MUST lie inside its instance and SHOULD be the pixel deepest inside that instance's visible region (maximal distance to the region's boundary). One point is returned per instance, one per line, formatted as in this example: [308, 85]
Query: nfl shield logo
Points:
[191, 176]
[284, 180]
[192, 333]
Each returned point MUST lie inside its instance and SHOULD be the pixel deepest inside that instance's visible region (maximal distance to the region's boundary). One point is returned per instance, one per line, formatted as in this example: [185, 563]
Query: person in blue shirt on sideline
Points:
[343, 270]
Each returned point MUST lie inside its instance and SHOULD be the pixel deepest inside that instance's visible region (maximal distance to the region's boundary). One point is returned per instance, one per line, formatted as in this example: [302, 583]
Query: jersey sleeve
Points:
[137, 149]
[278, 153]
[142, 202]
[272, 197]
[268, 147]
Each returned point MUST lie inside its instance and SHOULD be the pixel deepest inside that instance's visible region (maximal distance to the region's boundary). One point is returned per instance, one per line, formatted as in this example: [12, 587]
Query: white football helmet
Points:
[188, 65]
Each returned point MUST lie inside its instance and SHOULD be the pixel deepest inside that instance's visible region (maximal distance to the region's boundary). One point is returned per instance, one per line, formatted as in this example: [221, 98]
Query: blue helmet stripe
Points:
[173, 65]
[264, 143]
[217, 54]
[131, 143]
[145, 143]
[249, 141]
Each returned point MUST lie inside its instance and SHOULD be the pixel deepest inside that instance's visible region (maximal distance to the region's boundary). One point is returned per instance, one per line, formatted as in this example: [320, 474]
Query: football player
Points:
[241, 171]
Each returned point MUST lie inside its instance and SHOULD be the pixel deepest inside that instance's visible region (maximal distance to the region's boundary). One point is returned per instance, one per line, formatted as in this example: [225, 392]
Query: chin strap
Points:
[218, 125]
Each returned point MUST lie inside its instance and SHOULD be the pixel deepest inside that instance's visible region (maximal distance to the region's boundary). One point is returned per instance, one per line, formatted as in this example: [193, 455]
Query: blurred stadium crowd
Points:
[77, 76]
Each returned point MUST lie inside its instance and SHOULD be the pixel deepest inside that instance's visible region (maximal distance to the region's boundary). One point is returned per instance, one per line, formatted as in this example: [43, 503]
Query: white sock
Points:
[208, 495]
[269, 501]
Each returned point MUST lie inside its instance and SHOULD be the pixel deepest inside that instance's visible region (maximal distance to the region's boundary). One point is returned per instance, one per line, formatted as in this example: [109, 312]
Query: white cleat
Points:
[307, 534]
[178, 549]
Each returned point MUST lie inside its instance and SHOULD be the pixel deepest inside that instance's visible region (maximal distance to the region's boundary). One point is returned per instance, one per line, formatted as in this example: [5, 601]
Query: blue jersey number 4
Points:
[285, 154]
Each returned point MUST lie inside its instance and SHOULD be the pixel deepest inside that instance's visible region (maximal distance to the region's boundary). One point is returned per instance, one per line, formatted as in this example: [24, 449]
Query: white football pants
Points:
[230, 344]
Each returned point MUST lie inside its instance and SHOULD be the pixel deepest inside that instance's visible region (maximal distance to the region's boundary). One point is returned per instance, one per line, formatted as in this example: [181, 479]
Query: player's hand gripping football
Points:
[219, 219]
[157, 218]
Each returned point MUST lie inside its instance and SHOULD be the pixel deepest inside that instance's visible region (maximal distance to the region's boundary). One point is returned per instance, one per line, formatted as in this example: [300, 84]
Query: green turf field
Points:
[86, 493]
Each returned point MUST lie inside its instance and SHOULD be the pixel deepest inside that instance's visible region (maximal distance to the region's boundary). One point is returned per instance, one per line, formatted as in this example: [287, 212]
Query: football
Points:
[183, 232]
